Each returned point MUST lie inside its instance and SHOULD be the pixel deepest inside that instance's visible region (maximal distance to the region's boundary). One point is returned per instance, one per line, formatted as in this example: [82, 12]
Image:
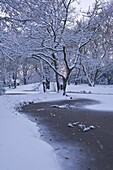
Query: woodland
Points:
[51, 41]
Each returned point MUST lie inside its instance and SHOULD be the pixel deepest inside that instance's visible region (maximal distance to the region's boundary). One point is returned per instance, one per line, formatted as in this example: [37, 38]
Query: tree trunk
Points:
[14, 79]
[25, 81]
[91, 84]
[44, 86]
[64, 85]
[57, 82]
[65, 80]
[56, 75]
[95, 77]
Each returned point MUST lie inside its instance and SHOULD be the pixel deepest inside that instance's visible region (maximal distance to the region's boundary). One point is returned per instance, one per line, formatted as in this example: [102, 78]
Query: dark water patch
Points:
[16, 94]
[78, 150]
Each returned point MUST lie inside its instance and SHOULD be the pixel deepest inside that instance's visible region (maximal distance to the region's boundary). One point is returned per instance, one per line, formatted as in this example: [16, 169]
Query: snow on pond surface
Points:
[102, 94]
[105, 101]
[81, 126]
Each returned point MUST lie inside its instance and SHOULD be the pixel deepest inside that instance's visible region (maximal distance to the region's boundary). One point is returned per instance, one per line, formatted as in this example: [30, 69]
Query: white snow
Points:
[81, 126]
[100, 93]
[20, 145]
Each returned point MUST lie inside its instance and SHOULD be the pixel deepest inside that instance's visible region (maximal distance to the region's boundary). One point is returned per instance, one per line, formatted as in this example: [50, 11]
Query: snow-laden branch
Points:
[15, 19]
[46, 48]
[65, 60]
[46, 56]
[51, 66]
[7, 55]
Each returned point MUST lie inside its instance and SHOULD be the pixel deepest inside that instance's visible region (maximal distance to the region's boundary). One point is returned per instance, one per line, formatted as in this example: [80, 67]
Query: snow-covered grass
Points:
[84, 88]
[101, 93]
[30, 88]
[20, 145]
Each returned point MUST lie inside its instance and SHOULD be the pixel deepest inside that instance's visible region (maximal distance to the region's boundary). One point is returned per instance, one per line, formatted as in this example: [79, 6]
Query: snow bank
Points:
[101, 93]
[20, 144]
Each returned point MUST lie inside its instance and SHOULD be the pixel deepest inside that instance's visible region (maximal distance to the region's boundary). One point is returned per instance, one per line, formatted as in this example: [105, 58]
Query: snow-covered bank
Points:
[20, 144]
[105, 101]
[84, 88]
[103, 94]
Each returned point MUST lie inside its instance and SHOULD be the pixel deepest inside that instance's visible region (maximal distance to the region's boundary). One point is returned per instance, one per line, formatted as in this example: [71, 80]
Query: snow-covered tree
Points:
[45, 30]
[95, 55]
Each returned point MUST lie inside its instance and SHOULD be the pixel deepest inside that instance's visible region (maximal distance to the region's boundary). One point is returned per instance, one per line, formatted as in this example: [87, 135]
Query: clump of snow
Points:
[88, 128]
[40, 109]
[81, 126]
[70, 125]
[60, 106]
[65, 106]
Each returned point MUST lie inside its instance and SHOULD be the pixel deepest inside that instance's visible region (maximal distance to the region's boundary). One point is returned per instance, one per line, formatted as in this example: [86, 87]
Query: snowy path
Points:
[20, 146]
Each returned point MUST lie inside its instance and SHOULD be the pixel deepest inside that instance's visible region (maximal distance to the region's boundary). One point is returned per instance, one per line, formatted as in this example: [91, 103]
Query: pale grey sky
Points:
[86, 3]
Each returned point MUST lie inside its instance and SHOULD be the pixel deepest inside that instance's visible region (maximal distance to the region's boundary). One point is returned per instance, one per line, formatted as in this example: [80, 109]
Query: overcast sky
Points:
[86, 3]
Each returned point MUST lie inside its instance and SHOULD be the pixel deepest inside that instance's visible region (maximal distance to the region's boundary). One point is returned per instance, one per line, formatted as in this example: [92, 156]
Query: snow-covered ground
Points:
[20, 145]
[103, 94]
